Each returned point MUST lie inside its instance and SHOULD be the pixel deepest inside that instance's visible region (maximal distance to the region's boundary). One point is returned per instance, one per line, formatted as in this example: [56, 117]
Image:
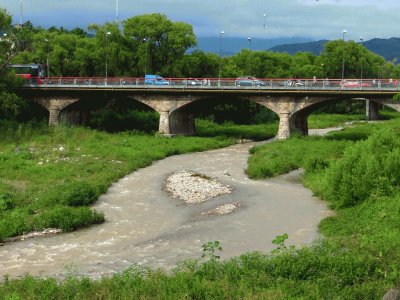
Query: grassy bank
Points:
[50, 176]
[358, 259]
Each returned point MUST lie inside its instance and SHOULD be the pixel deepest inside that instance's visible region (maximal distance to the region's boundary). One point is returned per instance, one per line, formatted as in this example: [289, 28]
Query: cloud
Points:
[322, 19]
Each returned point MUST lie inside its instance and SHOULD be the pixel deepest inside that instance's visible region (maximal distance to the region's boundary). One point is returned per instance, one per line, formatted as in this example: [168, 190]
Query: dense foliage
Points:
[371, 167]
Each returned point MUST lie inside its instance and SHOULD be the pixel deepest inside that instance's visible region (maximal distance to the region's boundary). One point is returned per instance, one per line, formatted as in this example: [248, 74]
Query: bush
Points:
[367, 168]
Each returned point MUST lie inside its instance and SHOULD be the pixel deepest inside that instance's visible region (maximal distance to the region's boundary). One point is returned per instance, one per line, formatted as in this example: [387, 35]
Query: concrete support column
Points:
[284, 126]
[164, 126]
[372, 110]
[54, 116]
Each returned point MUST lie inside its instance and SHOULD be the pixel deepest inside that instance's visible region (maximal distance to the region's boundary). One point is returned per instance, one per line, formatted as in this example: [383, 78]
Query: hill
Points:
[387, 48]
[232, 45]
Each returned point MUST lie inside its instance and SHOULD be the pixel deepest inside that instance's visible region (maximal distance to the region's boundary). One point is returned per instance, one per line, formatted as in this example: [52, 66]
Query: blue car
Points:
[155, 80]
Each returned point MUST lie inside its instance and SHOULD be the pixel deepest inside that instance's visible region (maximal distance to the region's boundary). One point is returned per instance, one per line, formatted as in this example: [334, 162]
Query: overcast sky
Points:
[317, 19]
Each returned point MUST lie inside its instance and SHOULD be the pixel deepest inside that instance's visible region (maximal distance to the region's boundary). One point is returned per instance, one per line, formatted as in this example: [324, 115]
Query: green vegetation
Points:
[228, 129]
[49, 176]
[357, 259]
[324, 120]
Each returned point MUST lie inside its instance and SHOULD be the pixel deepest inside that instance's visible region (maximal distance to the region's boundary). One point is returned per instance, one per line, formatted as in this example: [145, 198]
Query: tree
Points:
[197, 64]
[10, 104]
[5, 19]
[159, 41]
[352, 54]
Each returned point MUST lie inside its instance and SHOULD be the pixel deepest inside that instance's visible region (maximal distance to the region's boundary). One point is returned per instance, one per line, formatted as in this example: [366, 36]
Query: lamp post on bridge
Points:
[221, 34]
[20, 13]
[362, 58]
[249, 69]
[116, 11]
[344, 31]
[47, 58]
[145, 40]
[107, 34]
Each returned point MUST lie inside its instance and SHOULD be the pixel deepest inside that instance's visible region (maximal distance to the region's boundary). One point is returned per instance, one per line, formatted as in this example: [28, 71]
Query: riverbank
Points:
[340, 266]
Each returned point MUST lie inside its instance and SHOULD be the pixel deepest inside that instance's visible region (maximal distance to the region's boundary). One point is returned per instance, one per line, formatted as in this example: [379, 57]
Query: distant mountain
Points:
[313, 47]
[388, 48]
[232, 45]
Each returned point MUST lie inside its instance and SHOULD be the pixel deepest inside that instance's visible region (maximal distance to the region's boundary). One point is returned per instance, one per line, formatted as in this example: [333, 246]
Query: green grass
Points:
[324, 120]
[254, 132]
[47, 173]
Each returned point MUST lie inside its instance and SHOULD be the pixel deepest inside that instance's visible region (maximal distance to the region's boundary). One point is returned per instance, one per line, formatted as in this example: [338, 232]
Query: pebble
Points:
[193, 187]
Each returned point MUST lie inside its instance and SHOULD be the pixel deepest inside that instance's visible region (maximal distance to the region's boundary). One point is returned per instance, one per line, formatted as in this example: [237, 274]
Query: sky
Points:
[315, 19]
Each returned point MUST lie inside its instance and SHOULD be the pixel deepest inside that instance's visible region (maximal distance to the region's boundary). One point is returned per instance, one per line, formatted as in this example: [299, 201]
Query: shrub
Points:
[368, 167]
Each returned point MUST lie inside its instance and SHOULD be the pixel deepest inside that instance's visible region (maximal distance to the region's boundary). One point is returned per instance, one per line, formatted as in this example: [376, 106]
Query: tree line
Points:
[153, 44]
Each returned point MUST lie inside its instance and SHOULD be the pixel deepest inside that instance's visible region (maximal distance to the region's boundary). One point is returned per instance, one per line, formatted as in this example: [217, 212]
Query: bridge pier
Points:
[55, 106]
[284, 126]
[164, 124]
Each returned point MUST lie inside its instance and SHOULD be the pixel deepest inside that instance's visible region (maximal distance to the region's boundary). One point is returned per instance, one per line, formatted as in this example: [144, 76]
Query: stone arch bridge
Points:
[291, 104]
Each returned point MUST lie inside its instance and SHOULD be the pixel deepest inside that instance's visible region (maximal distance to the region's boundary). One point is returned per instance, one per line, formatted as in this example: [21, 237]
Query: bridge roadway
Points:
[291, 100]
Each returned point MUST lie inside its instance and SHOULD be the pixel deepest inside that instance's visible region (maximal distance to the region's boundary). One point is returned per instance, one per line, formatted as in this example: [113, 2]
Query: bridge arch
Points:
[55, 105]
[173, 120]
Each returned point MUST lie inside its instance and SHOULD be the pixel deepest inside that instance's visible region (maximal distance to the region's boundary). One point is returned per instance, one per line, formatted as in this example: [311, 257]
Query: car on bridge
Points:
[192, 81]
[248, 81]
[355, 83]
[292, 83]
[155, 80]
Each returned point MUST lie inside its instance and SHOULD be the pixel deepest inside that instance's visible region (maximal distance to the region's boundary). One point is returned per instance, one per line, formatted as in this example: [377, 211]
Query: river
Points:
[146, 226]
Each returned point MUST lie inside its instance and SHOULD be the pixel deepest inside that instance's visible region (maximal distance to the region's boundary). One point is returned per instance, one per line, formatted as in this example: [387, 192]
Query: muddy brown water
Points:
[146, 226]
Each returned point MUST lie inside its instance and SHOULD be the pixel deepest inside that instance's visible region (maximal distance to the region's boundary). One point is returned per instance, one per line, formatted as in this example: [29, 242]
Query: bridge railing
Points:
[221, 83]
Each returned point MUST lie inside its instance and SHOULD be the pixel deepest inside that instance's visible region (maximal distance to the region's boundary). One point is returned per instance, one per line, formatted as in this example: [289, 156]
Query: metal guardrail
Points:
[219, 84]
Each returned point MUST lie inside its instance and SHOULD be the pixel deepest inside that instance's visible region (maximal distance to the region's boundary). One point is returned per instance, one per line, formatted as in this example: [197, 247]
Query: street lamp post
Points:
[107, 34]
[20, 13]
[361, 72]
[249, 39]
[145, 57]
[220, 53]
[265, 28]
[47, 58]
[344, 31]
[116, 11]
[265, 25]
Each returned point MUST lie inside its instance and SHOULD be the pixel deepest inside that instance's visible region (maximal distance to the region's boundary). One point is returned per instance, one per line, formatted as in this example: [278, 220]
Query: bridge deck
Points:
[271, 86]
